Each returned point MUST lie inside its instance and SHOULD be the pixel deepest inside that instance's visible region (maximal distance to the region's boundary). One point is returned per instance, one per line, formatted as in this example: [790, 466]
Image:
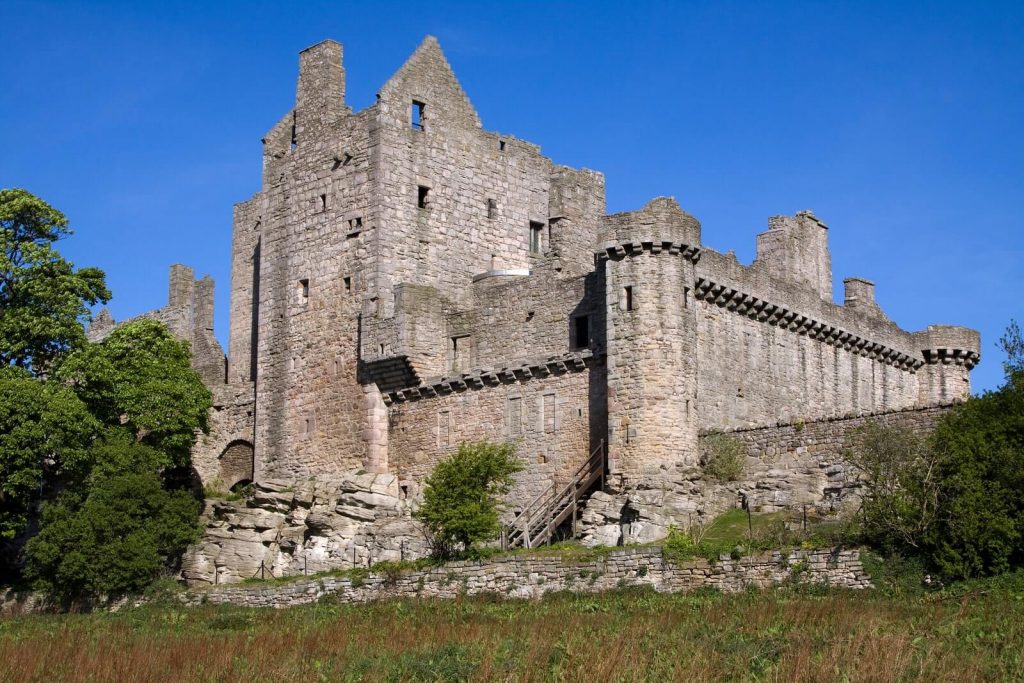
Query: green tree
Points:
[45, 433]
[955, 500]
[980, 446]
[899, 475]
[140, 378]
[462, 495]
[44, 300]
[120, 535]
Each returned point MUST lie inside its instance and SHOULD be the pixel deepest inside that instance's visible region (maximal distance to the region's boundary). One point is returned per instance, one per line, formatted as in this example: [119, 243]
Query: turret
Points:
[647, 258]
[949, 354]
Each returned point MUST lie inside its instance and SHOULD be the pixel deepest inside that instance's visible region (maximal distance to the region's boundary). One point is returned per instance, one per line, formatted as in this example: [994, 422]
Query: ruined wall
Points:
[532, 577]
[456, 234]
[189, 317]
[546, 410]
[774, 349]
[753, 373]
[315, 254]
[231, 422]
[788, 465]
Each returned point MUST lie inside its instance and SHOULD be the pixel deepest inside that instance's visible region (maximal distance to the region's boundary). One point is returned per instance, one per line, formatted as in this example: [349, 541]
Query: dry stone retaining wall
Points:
[533, 576]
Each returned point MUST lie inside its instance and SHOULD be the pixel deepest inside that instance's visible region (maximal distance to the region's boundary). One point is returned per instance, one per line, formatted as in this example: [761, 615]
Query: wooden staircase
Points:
[537, 523]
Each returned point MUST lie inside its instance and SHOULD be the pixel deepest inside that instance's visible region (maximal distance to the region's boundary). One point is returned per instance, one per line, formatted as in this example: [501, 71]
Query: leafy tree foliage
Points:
[43, 298]
[45, 433]
[140, 377]
[980, 447]
[957, 500]
[723, 457]
[462, 495]
[119, 535]
[901, 489]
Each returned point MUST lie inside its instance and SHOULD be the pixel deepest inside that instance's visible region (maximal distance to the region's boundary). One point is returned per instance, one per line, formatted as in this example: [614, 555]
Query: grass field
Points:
[971, 633]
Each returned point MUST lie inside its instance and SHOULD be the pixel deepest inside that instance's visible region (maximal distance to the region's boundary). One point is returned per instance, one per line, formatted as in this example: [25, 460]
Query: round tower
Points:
[949, 354]
[647, 259]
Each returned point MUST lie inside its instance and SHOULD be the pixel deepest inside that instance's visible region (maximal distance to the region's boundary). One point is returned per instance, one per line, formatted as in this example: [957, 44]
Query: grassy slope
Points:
[975, 633]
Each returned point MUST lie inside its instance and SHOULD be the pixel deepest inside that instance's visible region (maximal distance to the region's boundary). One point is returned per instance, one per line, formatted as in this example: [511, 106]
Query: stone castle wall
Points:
[788, 466]
[405, 280]
[533, 576]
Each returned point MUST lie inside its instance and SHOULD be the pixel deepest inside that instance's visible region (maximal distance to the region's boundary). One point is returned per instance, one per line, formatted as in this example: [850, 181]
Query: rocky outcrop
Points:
[285, 528]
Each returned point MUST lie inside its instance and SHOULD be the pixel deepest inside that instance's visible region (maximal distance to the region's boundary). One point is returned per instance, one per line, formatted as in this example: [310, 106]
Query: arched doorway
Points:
[236, 464]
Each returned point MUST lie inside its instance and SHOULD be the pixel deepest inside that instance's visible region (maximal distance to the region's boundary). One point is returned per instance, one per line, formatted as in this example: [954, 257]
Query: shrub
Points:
[119, 535]
[462, 496]
[901, 487]
[723, 457]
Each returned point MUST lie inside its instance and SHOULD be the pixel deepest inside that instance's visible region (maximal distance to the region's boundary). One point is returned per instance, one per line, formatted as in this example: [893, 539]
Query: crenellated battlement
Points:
[780, 316]
[406, 279]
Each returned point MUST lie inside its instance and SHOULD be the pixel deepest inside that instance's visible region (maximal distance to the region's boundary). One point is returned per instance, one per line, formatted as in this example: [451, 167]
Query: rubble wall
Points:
[532, 576]
[787, 466]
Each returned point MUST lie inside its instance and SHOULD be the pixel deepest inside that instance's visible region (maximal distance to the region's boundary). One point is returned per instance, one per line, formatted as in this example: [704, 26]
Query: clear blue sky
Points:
[900, 124]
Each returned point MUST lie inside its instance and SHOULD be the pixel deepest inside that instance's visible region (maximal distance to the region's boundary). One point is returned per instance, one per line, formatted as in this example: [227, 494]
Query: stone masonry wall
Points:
[533, 576]
[788, 465]
[548, 418]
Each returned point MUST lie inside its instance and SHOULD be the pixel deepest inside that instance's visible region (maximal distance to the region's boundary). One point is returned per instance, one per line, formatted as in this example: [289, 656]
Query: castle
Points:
[405, 281]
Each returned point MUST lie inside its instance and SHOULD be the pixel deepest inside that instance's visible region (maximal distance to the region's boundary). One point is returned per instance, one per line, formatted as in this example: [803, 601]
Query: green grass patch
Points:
[971, 631]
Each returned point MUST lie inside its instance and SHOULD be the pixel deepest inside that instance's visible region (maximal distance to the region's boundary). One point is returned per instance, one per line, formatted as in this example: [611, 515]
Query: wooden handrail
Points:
[549, 507]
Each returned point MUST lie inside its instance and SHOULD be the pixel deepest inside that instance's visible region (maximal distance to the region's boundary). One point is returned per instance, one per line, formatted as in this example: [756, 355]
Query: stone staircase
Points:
[541, 518]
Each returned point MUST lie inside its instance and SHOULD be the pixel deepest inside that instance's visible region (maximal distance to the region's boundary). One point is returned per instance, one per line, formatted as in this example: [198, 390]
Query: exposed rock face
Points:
[311, 526]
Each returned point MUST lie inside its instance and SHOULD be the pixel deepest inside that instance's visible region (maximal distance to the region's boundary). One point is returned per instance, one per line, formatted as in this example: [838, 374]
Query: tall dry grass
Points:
[627, 636]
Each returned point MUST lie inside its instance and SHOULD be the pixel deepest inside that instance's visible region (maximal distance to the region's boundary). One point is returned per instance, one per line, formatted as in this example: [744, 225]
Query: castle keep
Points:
[406, 280]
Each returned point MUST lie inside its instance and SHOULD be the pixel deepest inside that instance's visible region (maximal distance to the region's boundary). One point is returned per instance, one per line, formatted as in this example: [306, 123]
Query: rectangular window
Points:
[581, 332]
[323, 202]
[459, 353]
[549, 413]
[686, 297]
[418, 110]
[536, 237]
[348, 284]
[444, 428]
[515, 416]
[492, 208]
[421, 196]
[627, 298]
[303, 291]
[501, 145]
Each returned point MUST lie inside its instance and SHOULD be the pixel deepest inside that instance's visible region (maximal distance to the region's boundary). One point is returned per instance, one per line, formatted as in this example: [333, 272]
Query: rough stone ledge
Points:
[575, 361]
[531, 576]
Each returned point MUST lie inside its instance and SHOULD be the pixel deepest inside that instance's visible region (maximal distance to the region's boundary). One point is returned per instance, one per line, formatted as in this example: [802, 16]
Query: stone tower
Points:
[648, 259]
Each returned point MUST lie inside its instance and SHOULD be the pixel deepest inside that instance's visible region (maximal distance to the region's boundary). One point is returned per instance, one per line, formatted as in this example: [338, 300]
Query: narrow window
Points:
[492, 208]
[627, 299]
[444, 428]
[686, 297]
[308, 427]
[323, 202]
[421, 196]
[581, 332]
[501, 145]
[303, 291]
[549, 413]
[515, 416]
[348, 284]
[418, 109]
[536, 236]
